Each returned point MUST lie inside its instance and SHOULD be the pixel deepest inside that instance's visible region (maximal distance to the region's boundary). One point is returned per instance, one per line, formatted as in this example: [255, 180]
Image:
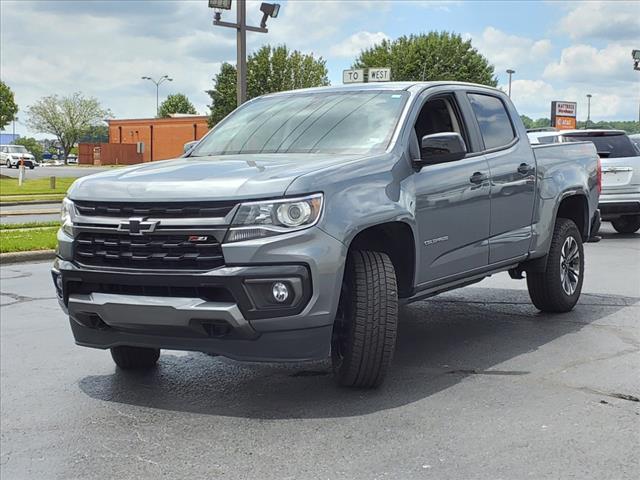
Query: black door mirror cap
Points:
[441, 148]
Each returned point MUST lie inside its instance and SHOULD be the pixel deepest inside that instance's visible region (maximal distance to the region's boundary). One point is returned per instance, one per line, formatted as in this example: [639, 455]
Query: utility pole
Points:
[162, 79]
[510, 72]
[586, 125]
[241, 27]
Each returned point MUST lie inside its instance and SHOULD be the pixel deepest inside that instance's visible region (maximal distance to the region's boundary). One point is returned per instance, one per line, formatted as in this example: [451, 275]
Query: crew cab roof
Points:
[358, 87]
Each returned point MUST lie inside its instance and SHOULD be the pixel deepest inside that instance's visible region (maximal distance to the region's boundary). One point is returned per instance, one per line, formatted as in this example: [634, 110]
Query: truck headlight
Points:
[273, 217]
[66, 220]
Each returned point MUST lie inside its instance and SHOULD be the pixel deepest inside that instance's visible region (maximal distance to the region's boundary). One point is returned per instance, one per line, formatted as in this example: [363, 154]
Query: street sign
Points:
[379, 74]
[353, 76]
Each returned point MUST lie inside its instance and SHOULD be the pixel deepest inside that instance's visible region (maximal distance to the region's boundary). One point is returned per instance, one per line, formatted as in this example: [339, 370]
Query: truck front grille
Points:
[170, 252]
[155, 210]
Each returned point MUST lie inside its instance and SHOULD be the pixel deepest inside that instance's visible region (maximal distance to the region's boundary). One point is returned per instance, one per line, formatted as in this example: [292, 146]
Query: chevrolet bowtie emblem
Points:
[138, 226]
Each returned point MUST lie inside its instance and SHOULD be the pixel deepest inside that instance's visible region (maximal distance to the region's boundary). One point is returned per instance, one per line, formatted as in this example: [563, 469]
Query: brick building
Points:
[162, 138]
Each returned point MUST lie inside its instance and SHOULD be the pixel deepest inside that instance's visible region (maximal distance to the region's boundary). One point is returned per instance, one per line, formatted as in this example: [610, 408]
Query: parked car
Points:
[72, 159]
[53, 163]
[620, 197]
[297, 226]
[14, 155]
[635, 138]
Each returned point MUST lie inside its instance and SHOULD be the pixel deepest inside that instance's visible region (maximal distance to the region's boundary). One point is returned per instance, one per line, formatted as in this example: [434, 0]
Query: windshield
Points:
[17, 149]
[608, 146]
[330, 122]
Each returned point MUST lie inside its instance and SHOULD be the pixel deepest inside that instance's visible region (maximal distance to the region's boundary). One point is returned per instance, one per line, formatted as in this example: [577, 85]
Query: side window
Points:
[493, 120]
[439, 115]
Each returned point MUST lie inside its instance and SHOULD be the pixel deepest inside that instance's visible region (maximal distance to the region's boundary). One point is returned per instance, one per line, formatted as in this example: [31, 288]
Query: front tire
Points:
[627, 224]
[364, 333]
[557, 289]
[135, 358]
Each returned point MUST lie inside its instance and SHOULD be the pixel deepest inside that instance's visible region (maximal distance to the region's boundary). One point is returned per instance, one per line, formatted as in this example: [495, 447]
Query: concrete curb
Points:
[22, 257]
[14, 213]
[30, 202]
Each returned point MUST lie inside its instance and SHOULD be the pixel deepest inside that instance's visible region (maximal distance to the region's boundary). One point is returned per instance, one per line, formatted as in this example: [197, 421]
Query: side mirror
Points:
[189, 145]
[441, 147]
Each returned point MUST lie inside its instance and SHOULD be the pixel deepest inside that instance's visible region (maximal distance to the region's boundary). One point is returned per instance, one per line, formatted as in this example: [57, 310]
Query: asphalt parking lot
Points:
[483, 387]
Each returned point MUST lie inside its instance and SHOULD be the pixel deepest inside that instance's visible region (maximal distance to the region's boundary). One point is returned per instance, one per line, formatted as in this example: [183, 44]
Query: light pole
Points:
[241, 27]
[586, 125]
[162, 79]
[635, 54]
[510, 72]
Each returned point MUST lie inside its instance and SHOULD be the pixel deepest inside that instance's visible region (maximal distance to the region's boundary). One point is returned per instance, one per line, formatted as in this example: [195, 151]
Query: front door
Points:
[452, 201]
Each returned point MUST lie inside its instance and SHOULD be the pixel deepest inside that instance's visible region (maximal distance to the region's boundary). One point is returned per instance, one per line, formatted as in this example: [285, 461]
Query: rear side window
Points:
[493, 120]
[608, 146]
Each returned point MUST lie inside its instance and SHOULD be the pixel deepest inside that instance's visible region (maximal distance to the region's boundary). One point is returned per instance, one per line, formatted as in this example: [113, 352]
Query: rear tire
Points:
[135, 358]
[8, 163]
[627, 224]
[364, 333]
[557, 289]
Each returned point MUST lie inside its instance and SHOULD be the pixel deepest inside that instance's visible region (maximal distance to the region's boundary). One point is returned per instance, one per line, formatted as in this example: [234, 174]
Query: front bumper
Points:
[615, 205]
[214, 311]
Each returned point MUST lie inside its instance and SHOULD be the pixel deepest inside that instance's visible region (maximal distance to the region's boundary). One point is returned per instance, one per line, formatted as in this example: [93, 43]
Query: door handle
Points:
[524, 168]
[478, 178]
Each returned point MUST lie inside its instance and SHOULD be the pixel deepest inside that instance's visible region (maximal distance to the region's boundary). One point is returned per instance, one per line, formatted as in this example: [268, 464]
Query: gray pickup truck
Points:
[298, 225]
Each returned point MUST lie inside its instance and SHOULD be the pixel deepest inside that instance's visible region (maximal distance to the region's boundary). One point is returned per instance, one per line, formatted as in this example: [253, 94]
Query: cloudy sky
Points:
[560, 50]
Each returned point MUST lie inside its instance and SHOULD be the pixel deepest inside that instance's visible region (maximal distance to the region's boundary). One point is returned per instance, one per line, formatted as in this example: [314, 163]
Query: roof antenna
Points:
[424, 70]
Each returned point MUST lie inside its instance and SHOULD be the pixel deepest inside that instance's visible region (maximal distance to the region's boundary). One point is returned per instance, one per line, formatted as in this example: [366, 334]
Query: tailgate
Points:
[620, 173]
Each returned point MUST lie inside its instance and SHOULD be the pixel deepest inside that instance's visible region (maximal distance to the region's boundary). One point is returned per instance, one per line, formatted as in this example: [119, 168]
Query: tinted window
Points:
[332, 122]
[494, 122]
[608, 146]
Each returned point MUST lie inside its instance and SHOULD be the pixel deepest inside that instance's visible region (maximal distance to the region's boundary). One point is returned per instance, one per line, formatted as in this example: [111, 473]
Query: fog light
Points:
[59, 282]
[280, 292]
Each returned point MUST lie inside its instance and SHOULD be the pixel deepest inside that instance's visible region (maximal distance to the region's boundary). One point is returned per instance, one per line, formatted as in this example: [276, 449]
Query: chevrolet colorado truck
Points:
[300, 223]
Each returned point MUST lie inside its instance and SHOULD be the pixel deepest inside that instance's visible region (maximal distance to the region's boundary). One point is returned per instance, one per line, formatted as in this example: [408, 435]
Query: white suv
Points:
[620, 197]
[12, 155]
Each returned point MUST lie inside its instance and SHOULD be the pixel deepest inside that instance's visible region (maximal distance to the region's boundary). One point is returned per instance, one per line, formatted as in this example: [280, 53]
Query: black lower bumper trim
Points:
[614, 210]
[282, 346]
[229, 283]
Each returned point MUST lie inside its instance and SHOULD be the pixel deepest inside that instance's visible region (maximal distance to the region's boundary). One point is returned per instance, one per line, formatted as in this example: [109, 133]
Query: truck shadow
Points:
[441, 342]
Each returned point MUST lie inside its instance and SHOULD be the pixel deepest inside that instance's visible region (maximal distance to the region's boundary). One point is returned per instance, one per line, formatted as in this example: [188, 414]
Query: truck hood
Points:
[223, 177]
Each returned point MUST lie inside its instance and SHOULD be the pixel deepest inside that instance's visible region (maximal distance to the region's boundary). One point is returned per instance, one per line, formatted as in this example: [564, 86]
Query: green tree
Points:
[629, 126]
[32, 145]
[95, 134]
[530, 123]
[527, 121]
[176, 103]
[430, 56]
[8, 106]
[68, 118]
[270, 69]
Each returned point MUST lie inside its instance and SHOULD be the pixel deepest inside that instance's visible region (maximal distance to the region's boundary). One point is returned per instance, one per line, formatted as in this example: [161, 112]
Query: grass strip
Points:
[22, 226]
[33, 186]
[26, 240]
[31, 198]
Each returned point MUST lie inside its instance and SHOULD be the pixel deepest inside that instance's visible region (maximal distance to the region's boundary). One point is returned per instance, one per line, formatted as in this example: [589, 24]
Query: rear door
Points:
[513, 177]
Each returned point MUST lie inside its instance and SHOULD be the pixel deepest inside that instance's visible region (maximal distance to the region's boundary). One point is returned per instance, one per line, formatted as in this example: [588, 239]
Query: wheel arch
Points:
[575, 206]
[396, 239]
